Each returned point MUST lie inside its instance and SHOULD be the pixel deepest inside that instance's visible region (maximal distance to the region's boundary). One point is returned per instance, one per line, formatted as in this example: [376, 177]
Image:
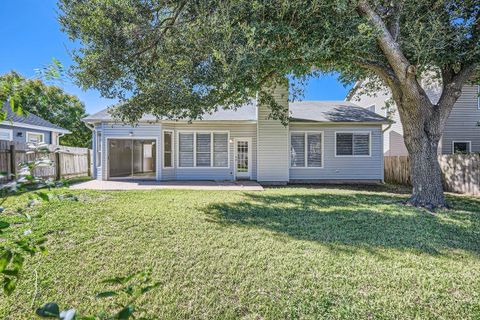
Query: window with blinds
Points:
[306, 149]
[185, 149]
[220, 150]
[203, 149]
[352, 144]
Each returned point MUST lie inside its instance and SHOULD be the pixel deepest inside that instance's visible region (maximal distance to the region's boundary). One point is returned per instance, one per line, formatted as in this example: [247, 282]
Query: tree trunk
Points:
[426, 177]
[422, 133]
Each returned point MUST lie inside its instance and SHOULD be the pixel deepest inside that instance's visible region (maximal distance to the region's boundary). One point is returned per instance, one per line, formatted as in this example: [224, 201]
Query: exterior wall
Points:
[236, 130]
[461, 125]
[155, 131]
[273, 149]
[23, 132]
[342, 168]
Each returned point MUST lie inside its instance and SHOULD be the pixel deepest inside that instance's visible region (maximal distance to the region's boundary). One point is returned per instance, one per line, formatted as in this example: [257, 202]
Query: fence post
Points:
[13, 157]
[58, 175]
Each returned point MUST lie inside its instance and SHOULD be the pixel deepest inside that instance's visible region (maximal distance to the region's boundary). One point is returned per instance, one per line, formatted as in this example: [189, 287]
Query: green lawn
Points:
[285, 253]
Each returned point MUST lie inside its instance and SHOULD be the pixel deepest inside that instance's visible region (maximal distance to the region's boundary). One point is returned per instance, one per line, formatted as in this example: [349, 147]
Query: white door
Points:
[243, 158]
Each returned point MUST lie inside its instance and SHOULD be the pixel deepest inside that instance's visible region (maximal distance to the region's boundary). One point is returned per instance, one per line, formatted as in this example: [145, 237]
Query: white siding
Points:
[462, 122]
[461, 125]
[343, 168]
[273, 149]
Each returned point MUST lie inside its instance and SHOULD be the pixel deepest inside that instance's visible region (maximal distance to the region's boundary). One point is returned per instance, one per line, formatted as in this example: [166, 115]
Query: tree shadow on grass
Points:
[364, 220]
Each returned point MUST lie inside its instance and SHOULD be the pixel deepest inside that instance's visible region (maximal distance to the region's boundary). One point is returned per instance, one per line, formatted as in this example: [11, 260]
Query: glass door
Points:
[132, 158]
[243, 158]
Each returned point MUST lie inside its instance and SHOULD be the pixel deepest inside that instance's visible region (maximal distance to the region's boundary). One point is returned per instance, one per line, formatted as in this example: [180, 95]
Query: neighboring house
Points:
[324, 142]
[462, 131]
[29, 128]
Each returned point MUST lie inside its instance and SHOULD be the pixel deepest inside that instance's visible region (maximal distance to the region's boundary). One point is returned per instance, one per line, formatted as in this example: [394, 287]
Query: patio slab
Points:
[151, 185]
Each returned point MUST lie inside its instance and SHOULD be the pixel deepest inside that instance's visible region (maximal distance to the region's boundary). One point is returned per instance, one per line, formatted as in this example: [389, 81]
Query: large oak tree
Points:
[185, 58]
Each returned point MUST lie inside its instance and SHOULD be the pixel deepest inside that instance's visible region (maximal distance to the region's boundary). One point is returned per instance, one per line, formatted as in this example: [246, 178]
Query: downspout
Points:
[59, 136]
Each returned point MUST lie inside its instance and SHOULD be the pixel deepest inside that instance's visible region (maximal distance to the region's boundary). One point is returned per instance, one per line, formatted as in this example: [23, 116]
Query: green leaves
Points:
[106, 294]
[5, 258]
[49, 310]
[3, 225]
[125, 313]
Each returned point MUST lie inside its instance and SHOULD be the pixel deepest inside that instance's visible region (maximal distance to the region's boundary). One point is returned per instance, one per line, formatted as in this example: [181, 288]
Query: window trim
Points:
[305, 132]
[36, 133]
[172, 152]
[353, 147]
[10, 133]
[478, 97]
[195, 149]
[458, 141]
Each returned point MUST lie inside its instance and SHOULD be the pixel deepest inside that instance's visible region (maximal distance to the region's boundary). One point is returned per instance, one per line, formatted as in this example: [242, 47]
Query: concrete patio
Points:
[151, 185]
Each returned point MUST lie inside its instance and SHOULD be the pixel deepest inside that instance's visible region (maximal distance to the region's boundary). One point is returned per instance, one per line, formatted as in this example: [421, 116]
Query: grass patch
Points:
[285, 253]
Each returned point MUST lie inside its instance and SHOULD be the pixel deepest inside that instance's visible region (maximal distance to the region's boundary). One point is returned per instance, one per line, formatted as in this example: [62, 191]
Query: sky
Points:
[30, 37]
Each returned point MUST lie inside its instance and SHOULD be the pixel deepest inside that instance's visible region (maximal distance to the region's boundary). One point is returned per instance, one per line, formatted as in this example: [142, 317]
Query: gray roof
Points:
[317, 111]
[332, 111]
[30, 120]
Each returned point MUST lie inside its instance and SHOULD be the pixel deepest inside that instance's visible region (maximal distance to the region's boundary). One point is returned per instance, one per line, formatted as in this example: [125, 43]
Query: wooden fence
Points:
[68, 161]
[461, 172]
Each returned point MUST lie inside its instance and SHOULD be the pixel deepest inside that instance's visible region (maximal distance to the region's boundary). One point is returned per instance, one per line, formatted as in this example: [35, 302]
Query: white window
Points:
[349, 144]
[167, 149]
[99, 149]
[6, 134]
[203, 149]
[35, 137]
[306, 149]
[461, 146]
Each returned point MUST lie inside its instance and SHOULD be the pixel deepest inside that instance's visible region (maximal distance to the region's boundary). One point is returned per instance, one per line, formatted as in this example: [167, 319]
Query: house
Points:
[29, 128]
[462, 130]
[324, 142]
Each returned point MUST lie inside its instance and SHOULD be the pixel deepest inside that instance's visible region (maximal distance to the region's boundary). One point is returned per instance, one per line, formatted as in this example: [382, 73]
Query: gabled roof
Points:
[316, 111]
[29, 121]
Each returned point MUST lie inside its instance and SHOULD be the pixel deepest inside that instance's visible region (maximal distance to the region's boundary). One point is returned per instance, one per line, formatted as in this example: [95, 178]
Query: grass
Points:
[285, 253]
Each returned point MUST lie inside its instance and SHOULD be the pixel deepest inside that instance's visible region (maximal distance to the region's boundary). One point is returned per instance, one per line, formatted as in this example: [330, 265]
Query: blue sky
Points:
[31, 37]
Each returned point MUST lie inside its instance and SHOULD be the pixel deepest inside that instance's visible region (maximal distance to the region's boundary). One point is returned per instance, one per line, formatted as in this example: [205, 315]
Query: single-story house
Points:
[323, 142]
[29, 128]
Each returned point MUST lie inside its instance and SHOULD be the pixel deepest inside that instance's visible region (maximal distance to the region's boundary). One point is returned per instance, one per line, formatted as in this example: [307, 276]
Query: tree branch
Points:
[397, 60]
[169, 23]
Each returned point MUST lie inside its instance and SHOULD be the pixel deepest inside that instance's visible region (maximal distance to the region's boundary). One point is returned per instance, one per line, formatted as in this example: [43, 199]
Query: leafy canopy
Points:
[184, 58]
[48, 102]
